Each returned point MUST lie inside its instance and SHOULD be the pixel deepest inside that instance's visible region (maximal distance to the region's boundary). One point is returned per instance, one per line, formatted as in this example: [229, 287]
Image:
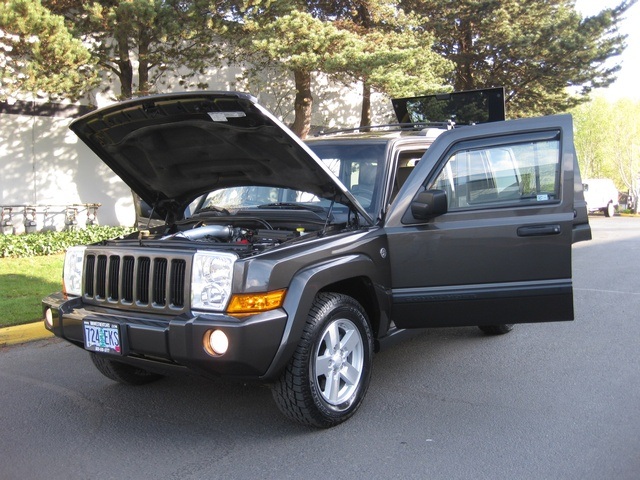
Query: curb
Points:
[29, 332]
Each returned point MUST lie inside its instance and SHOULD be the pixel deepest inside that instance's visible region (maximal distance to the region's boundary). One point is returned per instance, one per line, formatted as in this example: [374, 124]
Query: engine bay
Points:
[245, 235]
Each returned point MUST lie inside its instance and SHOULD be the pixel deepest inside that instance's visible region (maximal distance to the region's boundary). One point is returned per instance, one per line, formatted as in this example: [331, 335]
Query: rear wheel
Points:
[121, 372]
[496, 329]
[610, 210]
[328, 376]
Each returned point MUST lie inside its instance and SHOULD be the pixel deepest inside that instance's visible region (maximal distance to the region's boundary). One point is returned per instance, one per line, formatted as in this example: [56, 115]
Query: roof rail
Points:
[448, 125]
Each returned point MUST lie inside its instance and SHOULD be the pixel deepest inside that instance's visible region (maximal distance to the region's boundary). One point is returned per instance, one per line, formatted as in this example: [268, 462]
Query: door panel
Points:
[502, 252]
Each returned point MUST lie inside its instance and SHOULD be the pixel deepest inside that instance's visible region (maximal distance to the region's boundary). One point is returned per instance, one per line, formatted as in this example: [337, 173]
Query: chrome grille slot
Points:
[128, 264]
[142, 280]
[137, 282]
[177, 283]
[89, 270]
[101, 280]
[114, 278]
[159, 286]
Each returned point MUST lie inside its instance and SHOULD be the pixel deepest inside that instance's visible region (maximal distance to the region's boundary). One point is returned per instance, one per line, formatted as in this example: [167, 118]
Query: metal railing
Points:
[71, 213]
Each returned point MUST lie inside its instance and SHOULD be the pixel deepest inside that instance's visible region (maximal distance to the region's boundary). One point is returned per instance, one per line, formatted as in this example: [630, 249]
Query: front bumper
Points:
[165, 342]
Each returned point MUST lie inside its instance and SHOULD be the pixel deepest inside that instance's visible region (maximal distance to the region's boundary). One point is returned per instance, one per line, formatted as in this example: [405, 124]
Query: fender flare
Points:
[302, 292]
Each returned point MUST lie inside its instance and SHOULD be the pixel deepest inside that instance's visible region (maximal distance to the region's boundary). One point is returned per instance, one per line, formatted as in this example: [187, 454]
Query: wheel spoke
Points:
[323, 365]
[335, 386]
[350, 374]
[332, 386]
[332, 337]
[350, 341]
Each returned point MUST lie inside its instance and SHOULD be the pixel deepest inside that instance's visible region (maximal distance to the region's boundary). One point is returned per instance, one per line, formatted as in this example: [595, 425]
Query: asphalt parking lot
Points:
[546, 401]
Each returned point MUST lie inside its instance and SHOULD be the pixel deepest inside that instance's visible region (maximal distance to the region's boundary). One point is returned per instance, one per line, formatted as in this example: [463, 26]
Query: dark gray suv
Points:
[296, 262]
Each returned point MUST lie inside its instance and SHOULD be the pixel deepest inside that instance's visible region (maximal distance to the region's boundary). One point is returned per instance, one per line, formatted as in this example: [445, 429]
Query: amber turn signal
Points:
[256, 302]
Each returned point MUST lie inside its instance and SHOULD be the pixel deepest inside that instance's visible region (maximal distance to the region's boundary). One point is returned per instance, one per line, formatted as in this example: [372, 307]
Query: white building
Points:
[49, 177]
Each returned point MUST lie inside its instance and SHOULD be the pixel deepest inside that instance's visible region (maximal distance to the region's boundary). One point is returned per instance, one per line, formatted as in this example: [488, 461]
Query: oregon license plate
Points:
[102, 337]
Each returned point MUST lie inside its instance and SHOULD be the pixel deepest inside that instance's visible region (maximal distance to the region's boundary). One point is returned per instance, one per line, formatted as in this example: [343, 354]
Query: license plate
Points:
[102, 337]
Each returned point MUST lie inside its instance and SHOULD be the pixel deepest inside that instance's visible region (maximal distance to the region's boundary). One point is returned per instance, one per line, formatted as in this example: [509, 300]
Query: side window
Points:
[505, 175]
[407, 160]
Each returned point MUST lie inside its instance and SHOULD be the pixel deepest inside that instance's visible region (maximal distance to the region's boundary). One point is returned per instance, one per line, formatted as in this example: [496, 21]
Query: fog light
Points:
[48, 318]
[216, 342]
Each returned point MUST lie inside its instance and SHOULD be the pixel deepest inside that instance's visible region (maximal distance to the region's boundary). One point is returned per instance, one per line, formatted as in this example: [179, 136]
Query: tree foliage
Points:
[607, 141]
[394, 57]
[544, 53]
[369, 41]
[305, 45]
[154, 36]
[38, 54]
[537, 50]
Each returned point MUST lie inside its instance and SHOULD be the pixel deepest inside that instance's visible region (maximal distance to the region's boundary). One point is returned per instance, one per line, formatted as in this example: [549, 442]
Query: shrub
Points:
[49, 243]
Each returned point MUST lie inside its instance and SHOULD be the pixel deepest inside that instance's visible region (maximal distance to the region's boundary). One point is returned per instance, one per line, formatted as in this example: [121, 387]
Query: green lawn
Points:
[23, 284]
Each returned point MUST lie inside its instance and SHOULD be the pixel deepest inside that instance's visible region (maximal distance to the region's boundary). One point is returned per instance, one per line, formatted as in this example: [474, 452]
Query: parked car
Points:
[601, 195]
[297, 261]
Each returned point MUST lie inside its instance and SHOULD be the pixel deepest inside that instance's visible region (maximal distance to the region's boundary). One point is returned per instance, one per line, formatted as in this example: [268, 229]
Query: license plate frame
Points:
[102, 337]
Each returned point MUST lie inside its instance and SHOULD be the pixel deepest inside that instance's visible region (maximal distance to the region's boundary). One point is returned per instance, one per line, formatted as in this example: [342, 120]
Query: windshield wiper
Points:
[293, 206]
[213, 208]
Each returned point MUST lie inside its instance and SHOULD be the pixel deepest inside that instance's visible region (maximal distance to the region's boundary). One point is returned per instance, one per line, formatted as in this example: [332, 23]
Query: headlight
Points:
[211, 278]
[72, 271]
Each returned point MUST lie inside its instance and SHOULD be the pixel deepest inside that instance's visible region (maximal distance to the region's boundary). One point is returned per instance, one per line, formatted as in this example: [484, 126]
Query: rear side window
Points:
[505, 175]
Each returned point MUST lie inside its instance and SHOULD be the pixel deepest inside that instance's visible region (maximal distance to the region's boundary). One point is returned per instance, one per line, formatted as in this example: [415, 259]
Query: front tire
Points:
[327, 378]
[496, 329]
[121, 372]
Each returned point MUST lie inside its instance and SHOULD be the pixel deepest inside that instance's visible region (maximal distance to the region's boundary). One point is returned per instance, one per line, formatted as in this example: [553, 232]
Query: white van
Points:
[601, 195]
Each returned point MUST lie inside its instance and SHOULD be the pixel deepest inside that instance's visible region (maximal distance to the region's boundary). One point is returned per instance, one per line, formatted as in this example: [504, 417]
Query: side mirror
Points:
[429, 203]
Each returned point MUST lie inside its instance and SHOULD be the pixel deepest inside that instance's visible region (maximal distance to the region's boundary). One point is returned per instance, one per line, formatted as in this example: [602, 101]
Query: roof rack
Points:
[448, 125]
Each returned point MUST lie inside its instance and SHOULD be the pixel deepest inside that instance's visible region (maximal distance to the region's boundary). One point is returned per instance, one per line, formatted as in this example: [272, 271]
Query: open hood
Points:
[171, 148]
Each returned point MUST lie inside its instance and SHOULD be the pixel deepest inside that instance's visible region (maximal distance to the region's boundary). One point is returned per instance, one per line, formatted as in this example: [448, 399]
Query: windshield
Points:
[359, 166]
[250, 196]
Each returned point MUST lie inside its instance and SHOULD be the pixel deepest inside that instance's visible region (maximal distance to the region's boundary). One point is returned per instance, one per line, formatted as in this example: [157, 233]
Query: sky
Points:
[626, 86]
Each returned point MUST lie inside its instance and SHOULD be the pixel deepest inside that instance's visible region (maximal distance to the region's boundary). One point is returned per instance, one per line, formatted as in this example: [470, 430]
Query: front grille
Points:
[136, 281]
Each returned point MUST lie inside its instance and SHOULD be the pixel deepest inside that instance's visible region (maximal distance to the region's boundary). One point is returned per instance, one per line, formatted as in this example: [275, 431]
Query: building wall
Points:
[45, 167]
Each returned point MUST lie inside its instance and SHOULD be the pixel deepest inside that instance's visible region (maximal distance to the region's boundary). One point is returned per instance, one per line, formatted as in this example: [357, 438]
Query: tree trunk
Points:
[143, 65]
[125, 68]
[303, 103]
[464, 72]
[365, 114]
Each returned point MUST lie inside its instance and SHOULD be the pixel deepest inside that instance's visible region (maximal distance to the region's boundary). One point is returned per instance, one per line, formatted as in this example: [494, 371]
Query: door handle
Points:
[539, 230]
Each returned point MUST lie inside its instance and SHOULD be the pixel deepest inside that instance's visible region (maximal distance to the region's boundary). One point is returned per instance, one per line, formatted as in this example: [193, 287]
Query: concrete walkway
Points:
[23, 333]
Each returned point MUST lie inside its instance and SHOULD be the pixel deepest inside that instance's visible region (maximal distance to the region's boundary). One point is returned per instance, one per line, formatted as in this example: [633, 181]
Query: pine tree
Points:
[362, 40]
[392, 56]
[38, 55]
[543, 52]
[144, 40]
